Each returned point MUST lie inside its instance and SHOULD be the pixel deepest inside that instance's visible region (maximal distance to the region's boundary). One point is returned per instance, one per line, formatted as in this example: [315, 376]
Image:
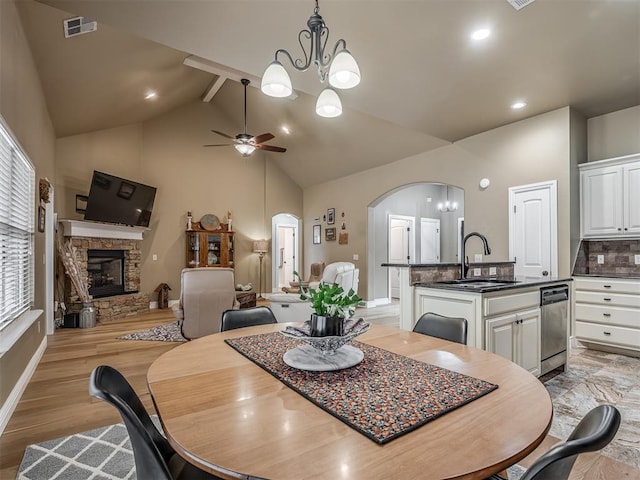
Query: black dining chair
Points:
[447, 328]
[246, 317]
[154, 458]
[594, 432]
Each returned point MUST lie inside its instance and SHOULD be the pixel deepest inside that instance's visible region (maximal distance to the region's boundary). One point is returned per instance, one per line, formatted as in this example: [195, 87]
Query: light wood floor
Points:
[56, 401]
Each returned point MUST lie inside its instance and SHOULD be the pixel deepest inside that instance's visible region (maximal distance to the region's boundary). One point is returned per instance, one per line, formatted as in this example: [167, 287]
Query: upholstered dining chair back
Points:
[247, 317]
[448, 328]
[206, 292]
[154, 458]
[594, 432]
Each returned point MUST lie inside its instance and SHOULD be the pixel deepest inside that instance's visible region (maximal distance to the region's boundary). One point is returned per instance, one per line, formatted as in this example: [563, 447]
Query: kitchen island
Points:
[503, 312]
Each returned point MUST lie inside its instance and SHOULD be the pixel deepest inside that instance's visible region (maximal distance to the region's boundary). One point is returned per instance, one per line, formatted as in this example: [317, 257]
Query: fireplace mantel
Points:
[79, 228]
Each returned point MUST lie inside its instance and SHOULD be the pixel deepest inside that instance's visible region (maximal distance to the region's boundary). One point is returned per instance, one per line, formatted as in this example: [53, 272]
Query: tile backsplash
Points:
[618, 256]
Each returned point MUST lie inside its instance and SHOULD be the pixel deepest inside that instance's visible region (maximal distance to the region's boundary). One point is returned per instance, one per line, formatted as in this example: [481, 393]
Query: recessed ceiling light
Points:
[285, 129]
[518, 105]
[480, 34]
[150, 96]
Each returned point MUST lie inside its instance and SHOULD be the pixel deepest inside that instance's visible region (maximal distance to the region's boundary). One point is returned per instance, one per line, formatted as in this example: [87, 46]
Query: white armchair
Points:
[344, 274]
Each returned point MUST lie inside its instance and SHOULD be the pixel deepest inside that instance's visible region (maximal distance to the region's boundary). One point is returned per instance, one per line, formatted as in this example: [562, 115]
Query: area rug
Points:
[383, 397]
[169, 332]
[100, 454]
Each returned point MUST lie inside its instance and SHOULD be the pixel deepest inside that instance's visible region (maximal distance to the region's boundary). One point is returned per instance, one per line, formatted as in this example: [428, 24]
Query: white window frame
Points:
[17, 235]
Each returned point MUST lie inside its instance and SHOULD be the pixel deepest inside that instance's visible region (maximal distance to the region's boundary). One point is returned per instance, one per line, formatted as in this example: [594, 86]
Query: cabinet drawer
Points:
[605, 298]
[628, 317]
[509, 303]
[627, 337]
[602, 284]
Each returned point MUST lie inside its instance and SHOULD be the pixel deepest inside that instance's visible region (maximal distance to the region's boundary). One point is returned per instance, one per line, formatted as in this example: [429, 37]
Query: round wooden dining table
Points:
[226, 415]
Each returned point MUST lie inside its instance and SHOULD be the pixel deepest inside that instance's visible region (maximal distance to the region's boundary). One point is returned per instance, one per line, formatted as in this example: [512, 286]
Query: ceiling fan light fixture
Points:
[276, 81]
[245, 149]
[329, 104]
[344, 72]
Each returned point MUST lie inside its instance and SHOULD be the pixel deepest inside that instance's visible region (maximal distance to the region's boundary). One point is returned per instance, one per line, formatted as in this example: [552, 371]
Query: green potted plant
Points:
[331, 306]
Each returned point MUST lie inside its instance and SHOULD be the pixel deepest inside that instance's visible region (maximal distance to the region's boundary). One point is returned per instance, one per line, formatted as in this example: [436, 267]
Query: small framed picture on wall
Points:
[331, 216]
[316, 234]
[330, 234]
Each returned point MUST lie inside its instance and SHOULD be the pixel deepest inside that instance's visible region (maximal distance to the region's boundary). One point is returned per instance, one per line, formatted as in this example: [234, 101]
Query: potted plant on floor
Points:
[331, 306]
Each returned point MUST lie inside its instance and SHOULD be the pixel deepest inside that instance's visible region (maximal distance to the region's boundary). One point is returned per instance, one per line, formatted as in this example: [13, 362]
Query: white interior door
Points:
[401, 247]
[429, 240]
[532, 229]
[286, 255]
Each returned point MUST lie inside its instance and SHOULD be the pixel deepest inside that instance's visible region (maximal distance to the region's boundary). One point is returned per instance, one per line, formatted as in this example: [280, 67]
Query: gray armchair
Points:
[206, 292]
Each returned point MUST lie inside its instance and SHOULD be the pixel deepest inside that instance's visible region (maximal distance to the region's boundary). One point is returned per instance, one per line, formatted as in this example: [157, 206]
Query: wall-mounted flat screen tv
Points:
[117, 200]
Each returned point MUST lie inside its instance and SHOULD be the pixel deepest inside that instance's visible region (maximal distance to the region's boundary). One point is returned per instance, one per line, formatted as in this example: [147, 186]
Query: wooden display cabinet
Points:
[209, 248]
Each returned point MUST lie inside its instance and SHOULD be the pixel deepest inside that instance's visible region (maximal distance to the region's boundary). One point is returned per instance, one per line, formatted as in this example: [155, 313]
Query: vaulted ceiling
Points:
[425, 83]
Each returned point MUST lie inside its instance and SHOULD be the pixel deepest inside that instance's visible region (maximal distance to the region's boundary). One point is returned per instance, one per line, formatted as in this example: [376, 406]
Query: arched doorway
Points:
[433, 239]
[285, 249]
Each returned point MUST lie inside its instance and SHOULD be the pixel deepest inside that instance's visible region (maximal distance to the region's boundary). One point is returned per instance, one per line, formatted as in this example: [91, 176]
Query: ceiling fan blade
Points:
[219, 145]
[223, 134]
[271, 148]
[263, 138]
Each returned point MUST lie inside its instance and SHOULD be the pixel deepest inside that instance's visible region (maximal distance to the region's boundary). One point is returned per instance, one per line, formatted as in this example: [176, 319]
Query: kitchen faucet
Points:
[464, 261]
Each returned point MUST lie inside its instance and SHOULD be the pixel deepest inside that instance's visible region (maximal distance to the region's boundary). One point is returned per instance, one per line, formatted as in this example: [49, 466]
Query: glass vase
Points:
[87, 315]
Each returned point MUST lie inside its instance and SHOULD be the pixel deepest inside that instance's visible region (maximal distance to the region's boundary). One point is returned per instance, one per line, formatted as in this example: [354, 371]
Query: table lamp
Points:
[260, 247]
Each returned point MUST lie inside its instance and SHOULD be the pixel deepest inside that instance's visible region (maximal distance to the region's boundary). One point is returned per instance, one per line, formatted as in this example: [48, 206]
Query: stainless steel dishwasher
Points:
[554, 303]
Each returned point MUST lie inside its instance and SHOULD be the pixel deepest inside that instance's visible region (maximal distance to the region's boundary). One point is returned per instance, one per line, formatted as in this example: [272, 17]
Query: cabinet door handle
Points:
[607, 286]
[619, 229]
[625, 229]
[606, 314]
[607, 333]
[606, 299]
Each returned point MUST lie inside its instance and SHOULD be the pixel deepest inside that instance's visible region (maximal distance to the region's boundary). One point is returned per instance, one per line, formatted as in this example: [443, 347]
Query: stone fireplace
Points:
[110, 257]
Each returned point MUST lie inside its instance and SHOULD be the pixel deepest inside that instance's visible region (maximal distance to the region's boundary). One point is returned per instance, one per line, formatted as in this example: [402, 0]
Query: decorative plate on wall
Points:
[209, 221]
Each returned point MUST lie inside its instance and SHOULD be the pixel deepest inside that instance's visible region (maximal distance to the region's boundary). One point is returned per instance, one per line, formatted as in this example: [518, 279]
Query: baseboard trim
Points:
[154, 305]
[14, 397]
[376, 302]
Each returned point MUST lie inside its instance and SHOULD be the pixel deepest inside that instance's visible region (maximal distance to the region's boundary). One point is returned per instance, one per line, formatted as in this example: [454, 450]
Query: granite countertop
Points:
[518, 282]
[606, 275]
[456, 264]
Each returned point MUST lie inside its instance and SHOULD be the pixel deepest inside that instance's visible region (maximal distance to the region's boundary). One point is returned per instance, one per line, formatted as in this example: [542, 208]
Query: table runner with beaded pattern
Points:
[383, 397]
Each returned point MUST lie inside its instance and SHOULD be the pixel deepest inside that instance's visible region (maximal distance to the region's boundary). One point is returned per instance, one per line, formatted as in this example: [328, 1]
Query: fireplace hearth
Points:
[110, 257]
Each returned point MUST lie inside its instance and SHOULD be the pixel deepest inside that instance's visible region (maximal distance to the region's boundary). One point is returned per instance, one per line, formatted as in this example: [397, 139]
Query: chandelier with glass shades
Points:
[339, 67]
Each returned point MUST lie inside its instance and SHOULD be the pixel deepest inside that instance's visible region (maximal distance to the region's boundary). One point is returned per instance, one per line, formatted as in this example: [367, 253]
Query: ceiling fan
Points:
[245, 143]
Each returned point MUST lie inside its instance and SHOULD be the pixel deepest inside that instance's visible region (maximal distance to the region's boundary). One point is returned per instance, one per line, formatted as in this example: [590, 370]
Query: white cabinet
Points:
[607, 312]
[516, 337]
[505, 322]
[610, 197]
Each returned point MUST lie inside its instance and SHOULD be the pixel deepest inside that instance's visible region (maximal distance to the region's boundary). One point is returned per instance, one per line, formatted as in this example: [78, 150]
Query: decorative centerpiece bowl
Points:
[328, 345]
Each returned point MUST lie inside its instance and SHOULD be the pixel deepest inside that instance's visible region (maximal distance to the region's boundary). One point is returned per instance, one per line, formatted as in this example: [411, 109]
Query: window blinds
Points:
[17, 183]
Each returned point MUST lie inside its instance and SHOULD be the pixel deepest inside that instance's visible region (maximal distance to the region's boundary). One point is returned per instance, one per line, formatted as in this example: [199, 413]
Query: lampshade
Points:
[344, 71]
[276, 81]
[329, 104]
[245, 149]
[260, 246]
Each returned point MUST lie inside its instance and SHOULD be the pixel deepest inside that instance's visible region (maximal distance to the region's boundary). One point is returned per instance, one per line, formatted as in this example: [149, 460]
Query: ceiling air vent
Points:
[518, 4]
[78, 26]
